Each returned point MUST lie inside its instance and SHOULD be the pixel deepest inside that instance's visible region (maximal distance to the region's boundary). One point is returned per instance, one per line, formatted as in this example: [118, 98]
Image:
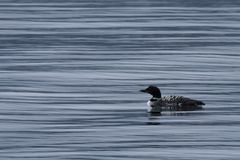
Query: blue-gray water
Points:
[71, 71]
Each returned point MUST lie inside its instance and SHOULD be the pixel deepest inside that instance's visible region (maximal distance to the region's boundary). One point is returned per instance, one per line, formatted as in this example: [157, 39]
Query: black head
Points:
[154, 91]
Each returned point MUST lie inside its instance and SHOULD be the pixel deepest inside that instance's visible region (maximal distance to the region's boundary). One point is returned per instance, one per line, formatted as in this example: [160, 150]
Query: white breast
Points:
[149, 103]
[153, 107]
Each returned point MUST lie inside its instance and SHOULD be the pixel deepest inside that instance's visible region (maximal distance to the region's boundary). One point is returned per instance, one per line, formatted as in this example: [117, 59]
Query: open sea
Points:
[71, 71]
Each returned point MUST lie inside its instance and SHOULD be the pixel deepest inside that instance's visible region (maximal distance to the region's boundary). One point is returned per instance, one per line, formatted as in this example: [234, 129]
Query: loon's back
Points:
[175, 103]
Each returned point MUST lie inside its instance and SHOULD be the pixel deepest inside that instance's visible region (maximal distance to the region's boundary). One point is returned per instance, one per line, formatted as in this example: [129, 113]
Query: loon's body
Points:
[157, 103]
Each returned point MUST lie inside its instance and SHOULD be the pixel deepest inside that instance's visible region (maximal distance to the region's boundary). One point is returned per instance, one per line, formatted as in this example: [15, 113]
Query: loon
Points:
[157, 103]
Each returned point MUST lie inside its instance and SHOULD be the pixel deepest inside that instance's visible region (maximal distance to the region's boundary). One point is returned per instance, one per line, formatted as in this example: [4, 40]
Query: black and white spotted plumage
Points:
[170, 103]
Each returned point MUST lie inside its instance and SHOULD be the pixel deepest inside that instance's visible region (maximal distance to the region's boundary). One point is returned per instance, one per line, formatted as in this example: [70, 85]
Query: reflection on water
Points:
[71, 74]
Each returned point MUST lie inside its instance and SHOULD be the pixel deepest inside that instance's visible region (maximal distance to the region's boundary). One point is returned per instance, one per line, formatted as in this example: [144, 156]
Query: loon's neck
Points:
[157, 94]
[154, 99]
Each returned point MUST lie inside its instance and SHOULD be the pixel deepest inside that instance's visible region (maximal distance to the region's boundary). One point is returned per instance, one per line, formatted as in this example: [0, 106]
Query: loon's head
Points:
[153, 90]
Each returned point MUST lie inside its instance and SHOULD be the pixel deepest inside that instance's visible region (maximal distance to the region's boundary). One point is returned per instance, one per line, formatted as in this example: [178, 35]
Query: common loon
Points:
[157, 103]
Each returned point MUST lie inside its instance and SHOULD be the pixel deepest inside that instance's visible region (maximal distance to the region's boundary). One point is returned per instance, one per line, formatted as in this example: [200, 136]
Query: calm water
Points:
[70, 75]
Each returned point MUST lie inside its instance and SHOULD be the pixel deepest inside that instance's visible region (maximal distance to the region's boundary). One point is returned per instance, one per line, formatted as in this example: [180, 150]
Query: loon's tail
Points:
[200, 102]
[191, 105]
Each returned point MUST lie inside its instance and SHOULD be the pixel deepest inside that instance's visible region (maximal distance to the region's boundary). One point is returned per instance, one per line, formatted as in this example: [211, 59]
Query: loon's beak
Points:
[143, 90]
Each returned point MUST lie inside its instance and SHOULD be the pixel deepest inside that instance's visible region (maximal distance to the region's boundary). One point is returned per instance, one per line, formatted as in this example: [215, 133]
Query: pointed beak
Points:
[143, 90]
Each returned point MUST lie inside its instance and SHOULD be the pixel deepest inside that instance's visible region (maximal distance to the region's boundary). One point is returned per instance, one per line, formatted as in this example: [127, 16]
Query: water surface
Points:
[70, 75]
